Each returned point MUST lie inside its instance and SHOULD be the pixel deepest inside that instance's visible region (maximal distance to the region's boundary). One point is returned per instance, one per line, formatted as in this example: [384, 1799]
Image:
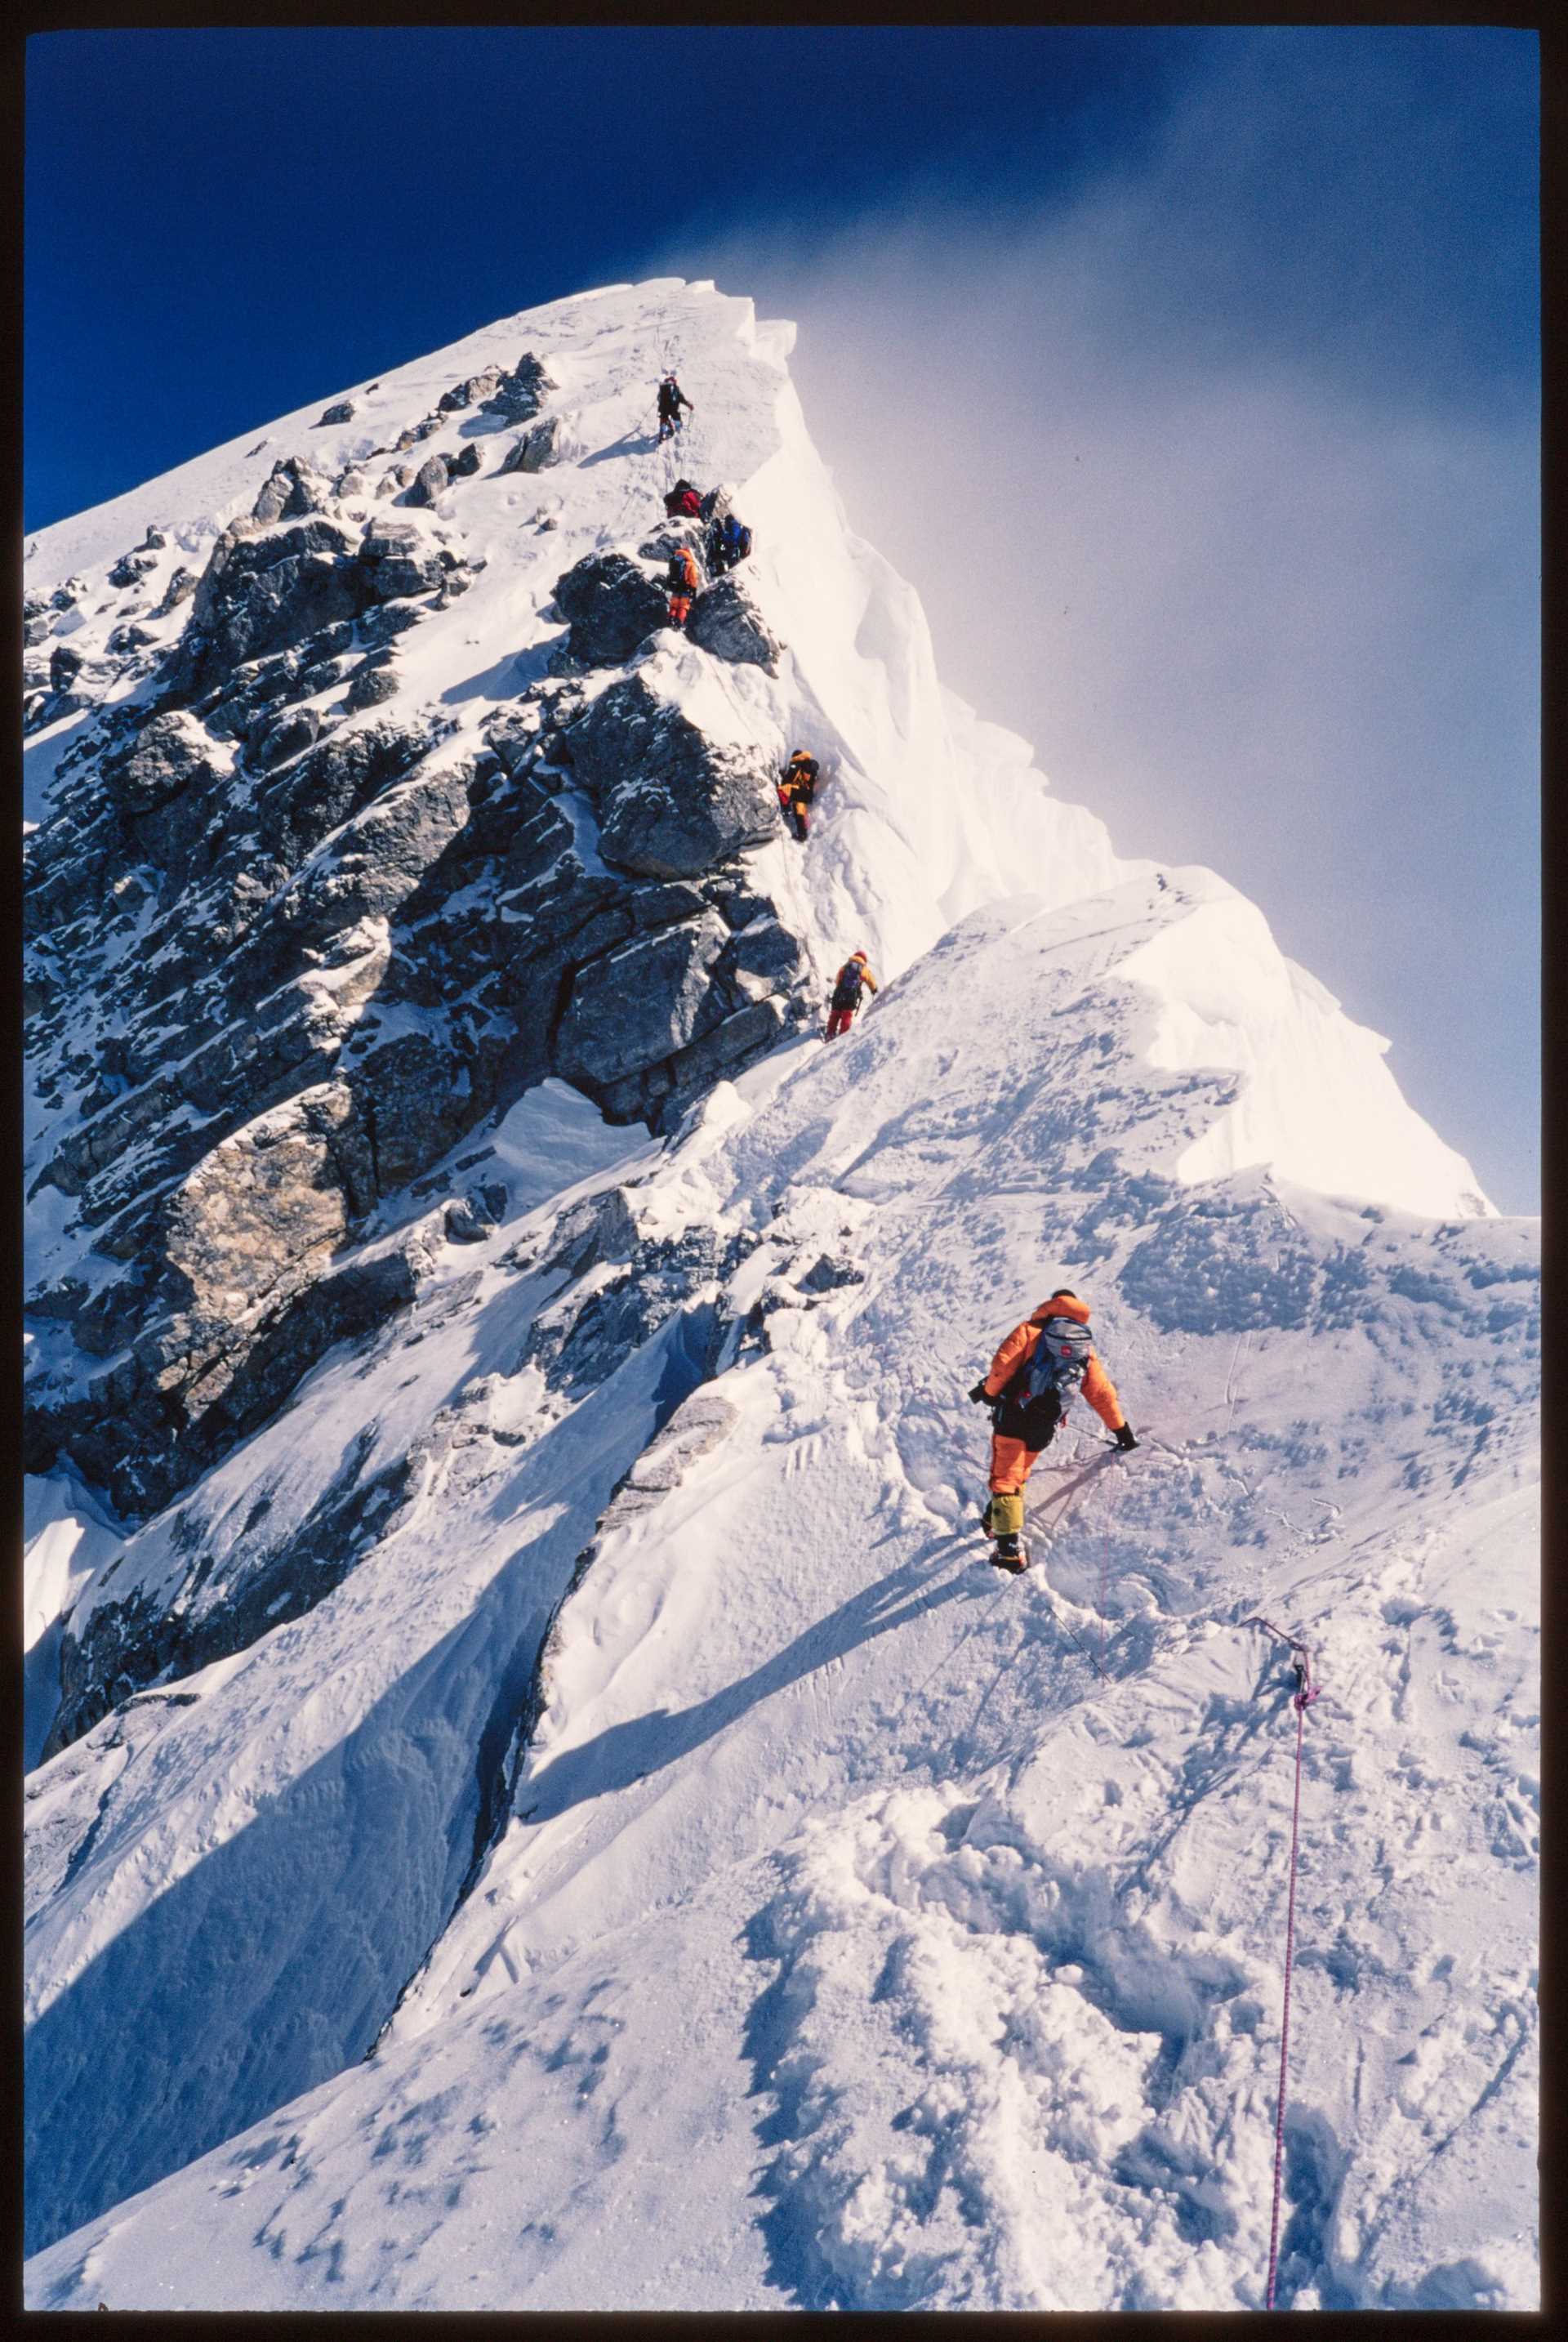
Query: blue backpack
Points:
[1061, 1356]
[737, 538]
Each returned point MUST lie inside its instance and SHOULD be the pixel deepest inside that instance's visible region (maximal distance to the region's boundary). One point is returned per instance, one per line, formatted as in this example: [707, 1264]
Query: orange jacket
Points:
[1021, 1343]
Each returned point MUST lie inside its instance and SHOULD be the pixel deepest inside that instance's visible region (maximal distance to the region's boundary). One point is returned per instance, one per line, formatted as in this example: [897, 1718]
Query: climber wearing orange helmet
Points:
[852, 977]
[1031, 1382]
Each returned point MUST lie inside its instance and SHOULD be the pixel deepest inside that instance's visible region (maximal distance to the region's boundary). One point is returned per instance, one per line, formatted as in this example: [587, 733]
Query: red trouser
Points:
[679, 609]
[839, 1021]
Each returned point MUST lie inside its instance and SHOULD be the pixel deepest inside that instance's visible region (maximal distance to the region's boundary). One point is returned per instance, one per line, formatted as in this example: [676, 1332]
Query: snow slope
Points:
[669, 1870]
[792, 1747]
[67, 1540]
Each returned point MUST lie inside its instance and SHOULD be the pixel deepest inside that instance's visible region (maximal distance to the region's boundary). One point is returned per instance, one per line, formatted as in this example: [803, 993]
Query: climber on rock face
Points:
[853, 977]
[685, 582]
[683, 503]
[672, 399]
[797, 788]
[1030, 1381]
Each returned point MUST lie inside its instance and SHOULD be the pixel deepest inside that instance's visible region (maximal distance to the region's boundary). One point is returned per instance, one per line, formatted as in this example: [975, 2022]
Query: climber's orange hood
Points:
[1062, 1307]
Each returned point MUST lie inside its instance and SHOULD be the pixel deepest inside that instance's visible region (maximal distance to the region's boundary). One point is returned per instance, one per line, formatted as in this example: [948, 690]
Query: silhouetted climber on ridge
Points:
[853, 977]
[1030, 1381]
[672, 399]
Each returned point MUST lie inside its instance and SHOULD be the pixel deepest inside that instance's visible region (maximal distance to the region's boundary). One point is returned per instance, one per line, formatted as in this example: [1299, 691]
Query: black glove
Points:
[981, 1396]
[1123, 1438]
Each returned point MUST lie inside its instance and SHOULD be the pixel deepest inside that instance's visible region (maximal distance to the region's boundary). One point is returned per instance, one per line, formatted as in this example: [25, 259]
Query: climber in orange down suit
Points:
[796, 788]
[685, 582]
[1028, 1389]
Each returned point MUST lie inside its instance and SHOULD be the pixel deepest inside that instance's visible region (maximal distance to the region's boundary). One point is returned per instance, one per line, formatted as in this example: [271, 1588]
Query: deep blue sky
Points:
[221, 225]
[1190, 376]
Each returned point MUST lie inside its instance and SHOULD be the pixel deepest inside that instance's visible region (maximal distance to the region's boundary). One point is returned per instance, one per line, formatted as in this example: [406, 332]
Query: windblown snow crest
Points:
[541, 1810]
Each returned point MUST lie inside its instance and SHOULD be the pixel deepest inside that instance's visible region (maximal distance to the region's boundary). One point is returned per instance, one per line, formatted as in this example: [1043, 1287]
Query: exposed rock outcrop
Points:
[373, 680]
[518, 395]
[287, 947]
[478, 387]
[726, 621]
[547, 443]
[179, 588]
[133, 568]
[260, 593]
[642, 1003]
[429, 481]
[612, 606]
[276, 893]
[294, 489]
[670, 804]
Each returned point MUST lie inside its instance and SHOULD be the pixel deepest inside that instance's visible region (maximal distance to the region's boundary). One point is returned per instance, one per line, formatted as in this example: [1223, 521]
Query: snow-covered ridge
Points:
[576, 1825]
[786, 1758]
[323, 880]
[930, 811]
[1315, 1102]
[861, 680]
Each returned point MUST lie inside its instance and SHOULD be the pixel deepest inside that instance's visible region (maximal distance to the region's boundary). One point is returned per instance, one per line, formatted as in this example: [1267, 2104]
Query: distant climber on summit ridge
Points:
[682, 502]
[1030, 1381]
[853, 978]
[672, 399]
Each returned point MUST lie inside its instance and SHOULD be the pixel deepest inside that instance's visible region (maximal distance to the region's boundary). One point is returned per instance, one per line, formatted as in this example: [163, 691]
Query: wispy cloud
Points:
[1220, 484]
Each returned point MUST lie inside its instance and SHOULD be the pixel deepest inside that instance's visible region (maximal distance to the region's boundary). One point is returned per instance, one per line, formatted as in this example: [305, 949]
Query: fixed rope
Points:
[1306, 1692]
[1086, 1649]
[1105, 1564]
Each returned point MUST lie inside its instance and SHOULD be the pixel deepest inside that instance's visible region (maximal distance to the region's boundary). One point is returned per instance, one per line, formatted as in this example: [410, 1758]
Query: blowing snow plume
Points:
[534, 1625]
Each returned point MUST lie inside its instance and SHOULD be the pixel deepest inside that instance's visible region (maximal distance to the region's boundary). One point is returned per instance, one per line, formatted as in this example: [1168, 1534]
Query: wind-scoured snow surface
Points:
[670, 1870]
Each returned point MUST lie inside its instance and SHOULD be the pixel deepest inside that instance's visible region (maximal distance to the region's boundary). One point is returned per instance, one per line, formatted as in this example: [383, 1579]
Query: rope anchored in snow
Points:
[1306, 1692]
